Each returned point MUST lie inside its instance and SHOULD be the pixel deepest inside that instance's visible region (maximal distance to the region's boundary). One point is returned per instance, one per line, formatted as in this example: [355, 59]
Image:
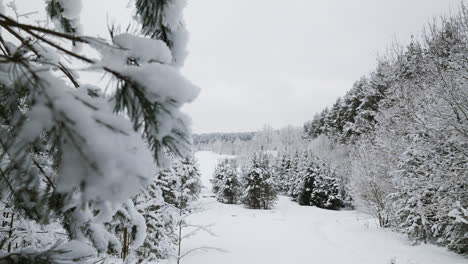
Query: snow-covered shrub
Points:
[371, 180]
[225, 182]
[257, 183]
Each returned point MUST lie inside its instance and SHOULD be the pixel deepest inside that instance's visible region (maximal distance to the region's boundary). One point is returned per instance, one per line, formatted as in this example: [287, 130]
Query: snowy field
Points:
[292, 234]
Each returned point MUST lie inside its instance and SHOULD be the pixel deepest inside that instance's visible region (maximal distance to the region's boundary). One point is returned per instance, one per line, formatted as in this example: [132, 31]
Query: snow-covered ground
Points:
[294, 234]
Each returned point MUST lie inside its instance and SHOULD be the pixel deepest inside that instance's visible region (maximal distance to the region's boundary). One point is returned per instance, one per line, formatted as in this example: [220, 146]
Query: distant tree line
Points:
[225, 137]
[284, 139]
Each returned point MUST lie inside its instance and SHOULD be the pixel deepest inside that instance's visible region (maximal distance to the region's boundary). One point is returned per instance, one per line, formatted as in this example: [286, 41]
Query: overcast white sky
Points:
[277, 62]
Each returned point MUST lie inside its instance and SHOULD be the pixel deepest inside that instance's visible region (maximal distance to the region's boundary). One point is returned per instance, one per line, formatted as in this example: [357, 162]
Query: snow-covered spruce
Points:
[310, 181]
[165, 204]
[182, 187]
[181, 182]
[282, 172]
[160, 219]
[257, 183]
[226, 182]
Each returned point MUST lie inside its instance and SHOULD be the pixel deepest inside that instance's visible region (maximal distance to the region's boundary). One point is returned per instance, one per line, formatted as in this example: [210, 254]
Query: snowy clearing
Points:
[294, 234]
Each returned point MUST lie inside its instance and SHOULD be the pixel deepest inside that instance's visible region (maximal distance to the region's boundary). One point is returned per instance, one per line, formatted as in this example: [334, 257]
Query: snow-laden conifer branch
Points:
[65, 15]
[69, 156]
[166, 24]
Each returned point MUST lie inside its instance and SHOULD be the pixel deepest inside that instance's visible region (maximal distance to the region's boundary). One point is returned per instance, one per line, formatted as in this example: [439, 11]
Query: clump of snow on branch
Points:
[144, 49]
[101, 151]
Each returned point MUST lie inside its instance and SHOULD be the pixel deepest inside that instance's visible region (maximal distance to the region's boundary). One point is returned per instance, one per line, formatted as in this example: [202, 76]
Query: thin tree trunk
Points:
[182, 206]
[180, 233]
[180, 242]
[124, 248]
[10, 233]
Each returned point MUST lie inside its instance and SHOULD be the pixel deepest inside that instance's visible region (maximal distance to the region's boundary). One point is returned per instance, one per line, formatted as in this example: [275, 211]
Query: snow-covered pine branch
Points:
[74, 156]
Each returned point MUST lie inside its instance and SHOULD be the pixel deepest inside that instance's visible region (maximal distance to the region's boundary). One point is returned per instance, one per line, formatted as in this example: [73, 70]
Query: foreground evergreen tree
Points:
[225, 182]
[73, 156]
[258, 186]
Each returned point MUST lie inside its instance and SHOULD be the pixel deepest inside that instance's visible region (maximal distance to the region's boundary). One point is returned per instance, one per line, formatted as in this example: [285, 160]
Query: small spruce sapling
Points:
[225, 182]
[258, 187]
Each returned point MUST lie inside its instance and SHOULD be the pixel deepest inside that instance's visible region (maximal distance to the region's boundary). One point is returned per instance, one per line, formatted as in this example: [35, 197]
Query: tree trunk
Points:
[124, 247]
[181, 208]
[10, 233]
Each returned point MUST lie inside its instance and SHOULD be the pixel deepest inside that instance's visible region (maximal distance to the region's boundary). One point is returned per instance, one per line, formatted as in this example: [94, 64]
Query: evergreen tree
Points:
[160, 217]
[294, 175]
[326, 193]
[315, 184]
[282, 172]
[306, 184]
[225, 182]
[181, 184]
[181, 187]
[258, 186]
